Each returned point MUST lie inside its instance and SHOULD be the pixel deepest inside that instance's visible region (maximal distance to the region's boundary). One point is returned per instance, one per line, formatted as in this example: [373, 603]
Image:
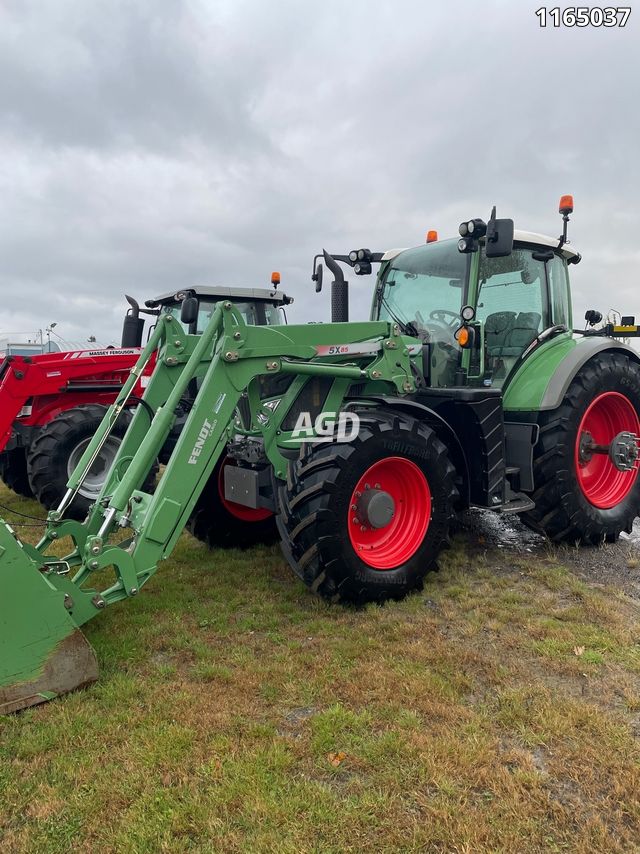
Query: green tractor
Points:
[468, 387]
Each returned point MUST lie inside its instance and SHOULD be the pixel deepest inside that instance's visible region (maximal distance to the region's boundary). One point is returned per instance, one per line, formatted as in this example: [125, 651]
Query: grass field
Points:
[498, 710]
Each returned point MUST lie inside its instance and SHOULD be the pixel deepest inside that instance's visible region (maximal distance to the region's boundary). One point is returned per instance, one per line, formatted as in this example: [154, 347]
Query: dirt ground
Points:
[617, 564]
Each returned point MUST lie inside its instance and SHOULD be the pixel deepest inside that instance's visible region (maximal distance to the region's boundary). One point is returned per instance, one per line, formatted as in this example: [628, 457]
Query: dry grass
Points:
[499, 710]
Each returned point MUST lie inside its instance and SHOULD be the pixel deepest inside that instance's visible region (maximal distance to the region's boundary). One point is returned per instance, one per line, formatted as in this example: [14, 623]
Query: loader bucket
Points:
[42, 651]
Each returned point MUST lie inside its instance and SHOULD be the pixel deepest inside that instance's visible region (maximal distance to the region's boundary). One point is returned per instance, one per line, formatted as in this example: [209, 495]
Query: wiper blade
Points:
[406, 327]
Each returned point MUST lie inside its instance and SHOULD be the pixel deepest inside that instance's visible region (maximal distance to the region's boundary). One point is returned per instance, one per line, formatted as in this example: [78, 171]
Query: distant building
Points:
[26, 348]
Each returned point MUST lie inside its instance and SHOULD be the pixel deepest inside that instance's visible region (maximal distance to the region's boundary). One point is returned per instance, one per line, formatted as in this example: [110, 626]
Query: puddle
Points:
[503, 532]
[508, 532]
[634, 536]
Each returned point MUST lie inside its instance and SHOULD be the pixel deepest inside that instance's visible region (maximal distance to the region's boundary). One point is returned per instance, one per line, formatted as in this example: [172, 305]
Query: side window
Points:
[559, 290]
[205, 314]
[512, 305]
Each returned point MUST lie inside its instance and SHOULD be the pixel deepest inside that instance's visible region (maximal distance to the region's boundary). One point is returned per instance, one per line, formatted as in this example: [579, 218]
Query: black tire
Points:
[316, 509]
[51, 456]
[212, 522]
[562, 512]
[13, 471]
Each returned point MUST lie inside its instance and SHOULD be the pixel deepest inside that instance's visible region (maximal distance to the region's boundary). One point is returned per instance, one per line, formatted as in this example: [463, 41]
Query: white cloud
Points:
[149, 145]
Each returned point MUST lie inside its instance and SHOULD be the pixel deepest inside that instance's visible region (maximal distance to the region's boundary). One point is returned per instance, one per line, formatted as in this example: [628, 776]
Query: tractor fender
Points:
[563, 376]
[541, 380]
[442, 429]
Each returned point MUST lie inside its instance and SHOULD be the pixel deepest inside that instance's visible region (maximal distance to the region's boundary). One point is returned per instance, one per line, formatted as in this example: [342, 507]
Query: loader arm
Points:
[37, 655]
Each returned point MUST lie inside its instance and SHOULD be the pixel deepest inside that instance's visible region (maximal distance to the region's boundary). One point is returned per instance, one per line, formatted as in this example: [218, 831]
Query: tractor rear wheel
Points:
[13, 471]
[366, 520]
[57, 449]
[587, 487]
[221, 523]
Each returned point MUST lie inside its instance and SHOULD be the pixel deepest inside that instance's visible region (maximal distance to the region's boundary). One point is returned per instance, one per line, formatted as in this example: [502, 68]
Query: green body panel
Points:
[526, 388]
[45, 599]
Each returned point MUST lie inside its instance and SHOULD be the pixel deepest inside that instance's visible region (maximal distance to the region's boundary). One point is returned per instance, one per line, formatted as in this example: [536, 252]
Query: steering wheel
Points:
[436, 329]
[440, 315]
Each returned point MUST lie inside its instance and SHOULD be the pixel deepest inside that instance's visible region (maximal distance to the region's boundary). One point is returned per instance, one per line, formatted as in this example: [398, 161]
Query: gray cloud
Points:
[149, 145]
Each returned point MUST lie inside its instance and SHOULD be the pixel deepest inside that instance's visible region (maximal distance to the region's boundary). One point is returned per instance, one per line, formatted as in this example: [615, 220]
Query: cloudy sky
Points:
[150, 144]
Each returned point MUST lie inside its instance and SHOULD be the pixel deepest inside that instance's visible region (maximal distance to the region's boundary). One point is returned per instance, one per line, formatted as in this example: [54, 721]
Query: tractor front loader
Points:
[47, 598]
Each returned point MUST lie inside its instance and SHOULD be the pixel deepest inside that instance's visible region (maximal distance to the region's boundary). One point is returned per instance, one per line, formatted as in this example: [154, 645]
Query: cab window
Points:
[512, 305]
[253, 313]
[422, 289]
[559, 291]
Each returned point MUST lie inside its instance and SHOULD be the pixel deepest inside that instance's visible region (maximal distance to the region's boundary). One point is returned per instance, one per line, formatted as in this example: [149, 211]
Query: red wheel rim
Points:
[601, 483]
[392, 545]
[239, 511]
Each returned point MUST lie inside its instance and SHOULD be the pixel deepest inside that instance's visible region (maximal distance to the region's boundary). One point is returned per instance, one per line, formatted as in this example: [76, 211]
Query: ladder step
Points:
[518, 504]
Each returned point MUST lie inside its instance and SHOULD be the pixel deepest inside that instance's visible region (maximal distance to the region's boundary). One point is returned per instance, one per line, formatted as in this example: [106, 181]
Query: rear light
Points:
[25, 412]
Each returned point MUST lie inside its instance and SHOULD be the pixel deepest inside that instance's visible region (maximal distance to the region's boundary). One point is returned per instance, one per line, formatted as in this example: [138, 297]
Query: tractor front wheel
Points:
[365, 520]
[587, 487]
[221, 523]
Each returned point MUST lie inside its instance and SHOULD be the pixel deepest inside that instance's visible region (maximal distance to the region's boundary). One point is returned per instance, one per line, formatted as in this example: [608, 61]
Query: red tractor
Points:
[52, 404]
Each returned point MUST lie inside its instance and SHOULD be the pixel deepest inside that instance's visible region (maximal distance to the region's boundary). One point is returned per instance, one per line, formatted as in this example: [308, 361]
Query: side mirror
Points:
[317, 277]
[498, 235]
[189, 311]
[499, 238]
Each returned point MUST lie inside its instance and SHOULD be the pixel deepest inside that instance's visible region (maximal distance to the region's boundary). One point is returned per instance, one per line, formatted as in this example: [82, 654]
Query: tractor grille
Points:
[243, 412]
[311, 399]
[4, 367]
[274, 385]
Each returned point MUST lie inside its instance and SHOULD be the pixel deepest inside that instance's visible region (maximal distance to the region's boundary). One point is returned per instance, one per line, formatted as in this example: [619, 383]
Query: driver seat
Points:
[497, 327]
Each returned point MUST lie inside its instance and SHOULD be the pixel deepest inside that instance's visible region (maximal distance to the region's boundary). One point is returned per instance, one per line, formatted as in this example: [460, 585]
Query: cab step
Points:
[518, 503]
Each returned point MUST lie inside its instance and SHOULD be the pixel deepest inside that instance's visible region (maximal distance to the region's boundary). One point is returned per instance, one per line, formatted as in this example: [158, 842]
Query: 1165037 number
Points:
[584, 16]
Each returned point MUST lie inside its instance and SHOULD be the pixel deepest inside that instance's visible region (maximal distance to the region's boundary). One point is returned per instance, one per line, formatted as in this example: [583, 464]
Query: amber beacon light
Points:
[566, 205]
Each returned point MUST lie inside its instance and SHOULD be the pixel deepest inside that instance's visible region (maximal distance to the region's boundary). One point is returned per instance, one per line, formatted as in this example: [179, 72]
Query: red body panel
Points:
[54, 382]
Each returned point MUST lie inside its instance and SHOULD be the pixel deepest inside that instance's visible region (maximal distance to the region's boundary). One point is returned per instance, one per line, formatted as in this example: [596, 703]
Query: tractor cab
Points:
[477, 313]
[258, 306]
[194, 308]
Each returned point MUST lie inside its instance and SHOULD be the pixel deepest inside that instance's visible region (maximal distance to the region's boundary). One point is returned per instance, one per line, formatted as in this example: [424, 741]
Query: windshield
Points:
[423, 290]
[255, 313]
